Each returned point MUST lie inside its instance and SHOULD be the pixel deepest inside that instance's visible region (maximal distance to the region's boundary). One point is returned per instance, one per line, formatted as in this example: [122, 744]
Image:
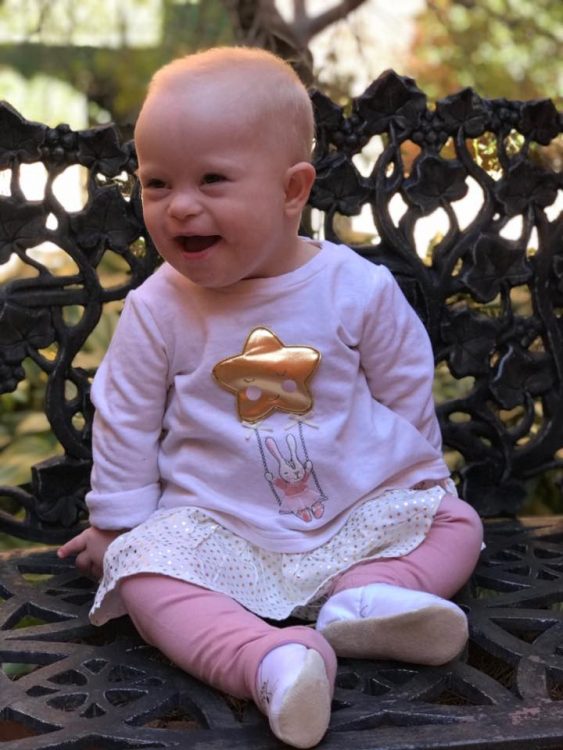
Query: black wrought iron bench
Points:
[490, 290]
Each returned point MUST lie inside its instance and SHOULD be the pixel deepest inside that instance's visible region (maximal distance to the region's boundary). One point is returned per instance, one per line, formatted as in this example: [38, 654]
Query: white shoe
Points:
[295, 694]
[381, 621]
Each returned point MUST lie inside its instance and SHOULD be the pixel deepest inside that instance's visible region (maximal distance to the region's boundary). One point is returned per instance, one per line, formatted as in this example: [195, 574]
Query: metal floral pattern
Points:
[32, 308]
[79, 687]
[492, 304]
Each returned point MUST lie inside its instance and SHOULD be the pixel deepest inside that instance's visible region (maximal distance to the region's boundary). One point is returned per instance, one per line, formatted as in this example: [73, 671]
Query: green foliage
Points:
[502, 48]
[112, 60]
[25, 436]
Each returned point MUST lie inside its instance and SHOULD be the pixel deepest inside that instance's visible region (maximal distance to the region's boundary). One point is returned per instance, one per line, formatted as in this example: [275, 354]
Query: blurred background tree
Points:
[108, 49]
[502, 48]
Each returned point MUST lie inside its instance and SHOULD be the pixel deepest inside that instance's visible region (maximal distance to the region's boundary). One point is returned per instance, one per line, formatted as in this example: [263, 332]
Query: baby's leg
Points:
[441, 565]
[393, 607]
[289, 672]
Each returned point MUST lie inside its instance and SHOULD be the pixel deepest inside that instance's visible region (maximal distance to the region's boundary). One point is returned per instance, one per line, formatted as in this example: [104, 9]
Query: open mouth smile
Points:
[197, 243]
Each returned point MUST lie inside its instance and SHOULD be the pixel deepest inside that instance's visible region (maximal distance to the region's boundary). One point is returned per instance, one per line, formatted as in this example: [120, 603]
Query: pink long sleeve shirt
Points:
[168, 433]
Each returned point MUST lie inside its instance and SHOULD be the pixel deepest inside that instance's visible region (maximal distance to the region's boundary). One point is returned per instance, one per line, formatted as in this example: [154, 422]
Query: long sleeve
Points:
[397, 358]
[129, 393]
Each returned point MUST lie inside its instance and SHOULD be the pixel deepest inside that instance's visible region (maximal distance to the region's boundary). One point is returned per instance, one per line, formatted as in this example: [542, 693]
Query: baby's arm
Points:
[397, 357]
[129, 393]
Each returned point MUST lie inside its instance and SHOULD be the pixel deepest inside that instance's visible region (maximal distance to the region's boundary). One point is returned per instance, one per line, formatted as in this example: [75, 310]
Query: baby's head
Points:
[250, 83]
[224, 143]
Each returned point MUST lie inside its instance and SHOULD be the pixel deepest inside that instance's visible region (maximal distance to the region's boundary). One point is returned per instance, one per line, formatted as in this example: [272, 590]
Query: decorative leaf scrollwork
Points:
[464, 110]
[471, 339]
[21, 139]
[391, 100]
[520, 372]
[60, 486]
[329, 119]
[21, 329]
[489, 488]
[435, 180]
[21, 225]
[539, 121]
[108, 221]
[525, 185]
[100, 149]
[339, 186]
[494, 262]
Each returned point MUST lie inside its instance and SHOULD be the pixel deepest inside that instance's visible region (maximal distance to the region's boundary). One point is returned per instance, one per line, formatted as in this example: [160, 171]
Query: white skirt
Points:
[187, 544]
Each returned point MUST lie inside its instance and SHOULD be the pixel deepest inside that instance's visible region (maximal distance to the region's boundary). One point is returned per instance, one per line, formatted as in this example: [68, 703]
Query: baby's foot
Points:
[381, 621]
[294, 692]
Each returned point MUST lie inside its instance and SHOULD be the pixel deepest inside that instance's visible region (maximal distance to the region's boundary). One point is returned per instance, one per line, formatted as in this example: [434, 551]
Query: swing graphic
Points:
[293, 482]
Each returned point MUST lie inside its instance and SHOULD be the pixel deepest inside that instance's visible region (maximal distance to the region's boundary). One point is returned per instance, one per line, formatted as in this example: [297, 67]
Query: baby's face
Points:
[213, 189]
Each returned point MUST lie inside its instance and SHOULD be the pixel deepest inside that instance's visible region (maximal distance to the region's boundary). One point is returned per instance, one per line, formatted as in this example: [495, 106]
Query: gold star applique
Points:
[267, 375]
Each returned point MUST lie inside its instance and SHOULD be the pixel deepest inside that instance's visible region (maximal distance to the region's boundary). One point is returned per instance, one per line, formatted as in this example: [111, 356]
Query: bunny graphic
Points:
[292, 481]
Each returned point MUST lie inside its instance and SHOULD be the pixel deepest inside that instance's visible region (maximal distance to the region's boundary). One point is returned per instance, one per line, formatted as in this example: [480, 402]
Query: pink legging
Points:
[214, 638]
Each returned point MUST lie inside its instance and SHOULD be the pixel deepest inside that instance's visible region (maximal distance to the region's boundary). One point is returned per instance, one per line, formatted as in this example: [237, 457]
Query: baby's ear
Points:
[299, 180]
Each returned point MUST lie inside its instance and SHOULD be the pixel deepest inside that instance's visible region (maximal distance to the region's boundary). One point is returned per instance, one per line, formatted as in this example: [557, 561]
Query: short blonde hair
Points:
[271, 90]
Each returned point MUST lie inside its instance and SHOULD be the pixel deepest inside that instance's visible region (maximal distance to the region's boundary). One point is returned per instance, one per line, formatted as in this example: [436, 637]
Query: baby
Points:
[265, 439]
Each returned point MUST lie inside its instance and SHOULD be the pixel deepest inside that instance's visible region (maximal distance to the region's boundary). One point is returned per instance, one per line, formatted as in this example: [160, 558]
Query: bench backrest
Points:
[461, 200]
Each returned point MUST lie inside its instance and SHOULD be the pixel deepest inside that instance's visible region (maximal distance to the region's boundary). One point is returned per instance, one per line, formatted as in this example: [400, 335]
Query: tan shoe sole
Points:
[432, 635]
[304, 713]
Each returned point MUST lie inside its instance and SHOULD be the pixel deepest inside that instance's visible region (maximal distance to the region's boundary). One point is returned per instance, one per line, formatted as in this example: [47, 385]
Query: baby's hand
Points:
[89, 548]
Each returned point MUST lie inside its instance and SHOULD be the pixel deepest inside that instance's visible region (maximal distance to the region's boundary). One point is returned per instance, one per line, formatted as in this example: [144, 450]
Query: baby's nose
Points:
[183, 204]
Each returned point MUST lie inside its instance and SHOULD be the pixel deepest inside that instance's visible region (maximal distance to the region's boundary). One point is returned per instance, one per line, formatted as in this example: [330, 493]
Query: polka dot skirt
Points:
[187, 544]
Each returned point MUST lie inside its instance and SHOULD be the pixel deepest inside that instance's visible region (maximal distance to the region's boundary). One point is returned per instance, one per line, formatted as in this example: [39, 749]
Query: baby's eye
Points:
[153, 183]
[211, 177]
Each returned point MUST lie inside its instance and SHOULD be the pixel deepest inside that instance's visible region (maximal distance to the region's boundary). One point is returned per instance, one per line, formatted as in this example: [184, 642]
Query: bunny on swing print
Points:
[292, 482]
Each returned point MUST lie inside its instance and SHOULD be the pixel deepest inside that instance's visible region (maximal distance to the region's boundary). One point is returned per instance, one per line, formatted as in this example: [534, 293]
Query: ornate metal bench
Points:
[492, 302]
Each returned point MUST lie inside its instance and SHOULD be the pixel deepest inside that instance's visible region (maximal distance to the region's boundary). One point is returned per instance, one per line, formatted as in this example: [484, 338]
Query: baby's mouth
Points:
[197, 243]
